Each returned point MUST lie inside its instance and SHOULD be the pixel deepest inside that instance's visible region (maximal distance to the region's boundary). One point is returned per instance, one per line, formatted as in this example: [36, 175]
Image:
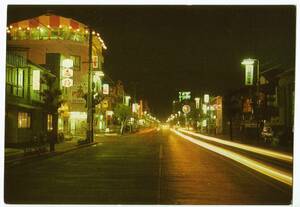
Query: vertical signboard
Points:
[36, 80]
[95, 62]
[206, 98]
[135, 108]
[67, 73]
[105, 89]
[249, 75]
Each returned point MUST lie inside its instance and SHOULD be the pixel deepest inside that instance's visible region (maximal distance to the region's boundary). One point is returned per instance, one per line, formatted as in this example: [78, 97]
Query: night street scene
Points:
[149, 104]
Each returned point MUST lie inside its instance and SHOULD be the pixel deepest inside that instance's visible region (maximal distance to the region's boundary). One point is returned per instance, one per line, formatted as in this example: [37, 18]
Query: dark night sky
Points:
[165, 49]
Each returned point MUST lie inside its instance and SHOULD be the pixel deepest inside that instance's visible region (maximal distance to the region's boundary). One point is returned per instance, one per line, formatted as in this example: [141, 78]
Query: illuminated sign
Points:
[135, 107]
[95, 62]
[109, 113]
[249, 75]
[206, 98]
[67, 73]
[36, 80]
[67, 63]
[186, 109]
[127, 99]
[67, 82]
[105, 89]
[105, 104]
[184, 95]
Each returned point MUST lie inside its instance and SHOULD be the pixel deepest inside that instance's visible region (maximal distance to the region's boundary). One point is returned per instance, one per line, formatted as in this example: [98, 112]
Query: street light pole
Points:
[258, 77]
[90, 131]
[251, 62]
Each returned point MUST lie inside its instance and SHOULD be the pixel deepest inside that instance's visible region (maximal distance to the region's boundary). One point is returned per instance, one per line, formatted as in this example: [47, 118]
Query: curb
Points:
[49, 154]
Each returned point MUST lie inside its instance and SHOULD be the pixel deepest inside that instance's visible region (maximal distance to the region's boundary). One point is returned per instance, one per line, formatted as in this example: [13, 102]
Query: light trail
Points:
[269, 153]
[255, 165]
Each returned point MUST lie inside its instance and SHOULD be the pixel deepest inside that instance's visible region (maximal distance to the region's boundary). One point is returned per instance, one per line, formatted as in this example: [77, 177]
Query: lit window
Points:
[20, 77]
[49, 122]
[23, 120]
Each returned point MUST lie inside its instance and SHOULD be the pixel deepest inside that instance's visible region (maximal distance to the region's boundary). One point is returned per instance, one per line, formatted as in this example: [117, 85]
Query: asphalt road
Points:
[151, 168]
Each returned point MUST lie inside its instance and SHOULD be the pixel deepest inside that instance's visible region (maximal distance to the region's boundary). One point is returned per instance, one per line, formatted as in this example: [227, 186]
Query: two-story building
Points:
[53, 41]
[25, 114]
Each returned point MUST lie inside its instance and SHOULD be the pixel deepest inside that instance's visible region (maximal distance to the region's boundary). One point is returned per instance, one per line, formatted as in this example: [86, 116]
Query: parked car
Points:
[267, 134]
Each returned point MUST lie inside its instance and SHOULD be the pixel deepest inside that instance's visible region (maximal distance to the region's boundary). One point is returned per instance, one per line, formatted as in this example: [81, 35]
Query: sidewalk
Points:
[12, 154]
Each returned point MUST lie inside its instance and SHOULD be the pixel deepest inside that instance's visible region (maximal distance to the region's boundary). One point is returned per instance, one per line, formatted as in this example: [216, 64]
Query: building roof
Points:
[50, 21]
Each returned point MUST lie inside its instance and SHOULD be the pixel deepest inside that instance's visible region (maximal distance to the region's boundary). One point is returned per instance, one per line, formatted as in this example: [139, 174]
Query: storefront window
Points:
[23, 120]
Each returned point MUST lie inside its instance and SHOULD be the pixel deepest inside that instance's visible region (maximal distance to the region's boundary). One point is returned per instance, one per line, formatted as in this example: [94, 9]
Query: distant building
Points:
[25, 114]
[51, 40]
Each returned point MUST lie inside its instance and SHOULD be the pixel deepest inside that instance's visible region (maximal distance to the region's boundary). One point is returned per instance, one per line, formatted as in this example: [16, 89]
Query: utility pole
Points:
[90, 130]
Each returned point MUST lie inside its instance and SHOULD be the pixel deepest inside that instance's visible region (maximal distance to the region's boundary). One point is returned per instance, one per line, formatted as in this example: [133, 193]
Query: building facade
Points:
[25, 114]
[62, 45]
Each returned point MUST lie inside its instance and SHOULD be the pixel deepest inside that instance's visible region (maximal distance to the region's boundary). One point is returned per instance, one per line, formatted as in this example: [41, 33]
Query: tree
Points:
[232, 105]
[123, 113]
[52, 101]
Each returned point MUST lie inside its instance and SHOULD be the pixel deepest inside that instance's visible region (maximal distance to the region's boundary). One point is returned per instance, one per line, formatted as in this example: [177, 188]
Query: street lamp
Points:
[249, 63]
[173, 106]
[90, 130]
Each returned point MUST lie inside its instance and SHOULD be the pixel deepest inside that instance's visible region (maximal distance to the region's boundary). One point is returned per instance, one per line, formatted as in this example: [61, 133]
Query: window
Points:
[20, 82]
[20, 77]
[23, 120]
[9, 80]
[49, 122]
[15, 81]
[76, 62]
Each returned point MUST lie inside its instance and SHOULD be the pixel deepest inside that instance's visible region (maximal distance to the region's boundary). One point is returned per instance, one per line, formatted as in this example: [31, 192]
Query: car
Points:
[267, 134]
